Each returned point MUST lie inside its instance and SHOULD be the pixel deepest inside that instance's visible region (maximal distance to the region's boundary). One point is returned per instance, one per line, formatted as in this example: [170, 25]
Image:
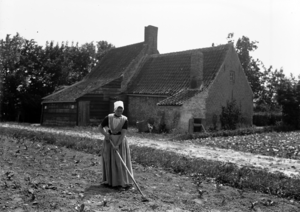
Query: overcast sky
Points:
[182, 25]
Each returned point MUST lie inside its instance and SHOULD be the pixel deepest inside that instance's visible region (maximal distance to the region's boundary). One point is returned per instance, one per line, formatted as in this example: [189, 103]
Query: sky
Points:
[182, 24]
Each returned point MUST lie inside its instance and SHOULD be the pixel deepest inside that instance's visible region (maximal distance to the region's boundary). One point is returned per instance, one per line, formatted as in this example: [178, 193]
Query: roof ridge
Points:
[190, 51]
[129, 45]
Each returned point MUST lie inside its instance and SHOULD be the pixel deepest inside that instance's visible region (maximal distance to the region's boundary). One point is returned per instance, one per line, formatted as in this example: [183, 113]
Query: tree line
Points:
[30, 71]
[273, 91]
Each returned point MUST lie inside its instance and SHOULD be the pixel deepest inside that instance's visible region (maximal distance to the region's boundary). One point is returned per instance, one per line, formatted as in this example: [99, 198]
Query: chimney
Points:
[151, 38]
[196, 70]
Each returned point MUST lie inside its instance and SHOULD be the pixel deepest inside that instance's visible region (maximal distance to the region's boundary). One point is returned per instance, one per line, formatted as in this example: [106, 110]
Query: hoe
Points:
[144, 198]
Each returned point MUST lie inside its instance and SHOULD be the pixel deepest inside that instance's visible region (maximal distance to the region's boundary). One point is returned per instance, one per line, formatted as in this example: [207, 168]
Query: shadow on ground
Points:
[99, 189]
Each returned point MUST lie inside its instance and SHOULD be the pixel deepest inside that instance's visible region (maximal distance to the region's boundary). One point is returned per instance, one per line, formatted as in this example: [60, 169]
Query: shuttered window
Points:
[196, 125]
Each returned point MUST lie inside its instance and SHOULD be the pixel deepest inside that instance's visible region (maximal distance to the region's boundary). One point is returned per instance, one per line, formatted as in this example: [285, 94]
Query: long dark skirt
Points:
[114, 173]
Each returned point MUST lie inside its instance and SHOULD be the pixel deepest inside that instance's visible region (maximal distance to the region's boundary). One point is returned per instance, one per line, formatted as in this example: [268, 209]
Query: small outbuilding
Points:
[90, 100]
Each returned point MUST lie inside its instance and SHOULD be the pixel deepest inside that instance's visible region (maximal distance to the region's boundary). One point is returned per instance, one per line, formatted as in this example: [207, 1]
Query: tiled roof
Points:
[169, 74]
[110, 68]
[163, 74]
[213, 58]
[116, 61]
[179, 98]
[114, 84]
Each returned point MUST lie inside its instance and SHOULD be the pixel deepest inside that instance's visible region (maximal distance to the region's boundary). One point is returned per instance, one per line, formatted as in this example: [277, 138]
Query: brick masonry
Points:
[193, 108]
[145, 108]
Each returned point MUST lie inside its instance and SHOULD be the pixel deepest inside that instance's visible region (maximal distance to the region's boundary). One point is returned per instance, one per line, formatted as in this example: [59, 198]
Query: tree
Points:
[288, 96]
[102, 47]
[11, 75]
[251, 66]
[30, 72]
[263, 82]
[271, 81]
[79, 61]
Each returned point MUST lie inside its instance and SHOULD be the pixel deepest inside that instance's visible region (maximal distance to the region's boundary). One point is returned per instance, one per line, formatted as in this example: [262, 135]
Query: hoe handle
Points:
[131, 176]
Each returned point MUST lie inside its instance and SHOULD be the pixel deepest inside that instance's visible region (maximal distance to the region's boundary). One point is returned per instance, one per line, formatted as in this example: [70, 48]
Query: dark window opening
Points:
[232, 76]
[196, 125]
[197, 129]
[197, 121]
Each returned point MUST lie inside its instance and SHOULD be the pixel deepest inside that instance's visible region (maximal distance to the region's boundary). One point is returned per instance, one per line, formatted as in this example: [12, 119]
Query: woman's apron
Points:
[114, 173]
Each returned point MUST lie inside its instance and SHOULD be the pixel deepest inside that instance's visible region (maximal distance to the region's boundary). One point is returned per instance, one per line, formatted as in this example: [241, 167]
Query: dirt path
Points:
[273, 164]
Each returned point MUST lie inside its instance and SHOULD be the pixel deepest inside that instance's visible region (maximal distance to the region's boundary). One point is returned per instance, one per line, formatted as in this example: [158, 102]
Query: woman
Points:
[114, 127]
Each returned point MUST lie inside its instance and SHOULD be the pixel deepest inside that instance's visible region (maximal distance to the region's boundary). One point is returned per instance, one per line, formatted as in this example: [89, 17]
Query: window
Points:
[196, 125]
[232, 76]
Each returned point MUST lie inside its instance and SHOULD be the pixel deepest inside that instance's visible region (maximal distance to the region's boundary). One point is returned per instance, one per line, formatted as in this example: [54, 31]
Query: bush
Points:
[288, 96]
[266, 119]
[230, 115]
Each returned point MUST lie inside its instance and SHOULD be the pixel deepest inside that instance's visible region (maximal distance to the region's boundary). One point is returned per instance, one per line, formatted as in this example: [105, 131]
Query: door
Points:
[83, 113]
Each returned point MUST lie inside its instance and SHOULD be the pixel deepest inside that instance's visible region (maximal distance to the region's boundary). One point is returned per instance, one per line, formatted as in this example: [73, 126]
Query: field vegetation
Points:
[230, 174]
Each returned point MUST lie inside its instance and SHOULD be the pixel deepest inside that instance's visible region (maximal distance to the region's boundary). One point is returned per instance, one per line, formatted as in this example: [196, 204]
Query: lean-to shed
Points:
[88, 101]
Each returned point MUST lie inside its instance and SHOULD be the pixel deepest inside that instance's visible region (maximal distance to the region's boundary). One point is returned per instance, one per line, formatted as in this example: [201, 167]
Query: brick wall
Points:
[175, 118]
[230, 82]
[193, 108]
[145, 108]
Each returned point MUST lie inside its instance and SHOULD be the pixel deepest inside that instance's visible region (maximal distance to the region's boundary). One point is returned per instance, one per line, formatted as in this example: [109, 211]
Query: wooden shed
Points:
[87, 102]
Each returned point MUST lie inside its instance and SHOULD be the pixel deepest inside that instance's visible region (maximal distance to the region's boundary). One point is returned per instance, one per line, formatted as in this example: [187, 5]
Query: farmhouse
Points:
[182, 90]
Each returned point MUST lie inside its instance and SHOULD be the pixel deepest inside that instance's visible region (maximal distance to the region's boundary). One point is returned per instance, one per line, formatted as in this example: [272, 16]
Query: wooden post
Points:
[42, 114]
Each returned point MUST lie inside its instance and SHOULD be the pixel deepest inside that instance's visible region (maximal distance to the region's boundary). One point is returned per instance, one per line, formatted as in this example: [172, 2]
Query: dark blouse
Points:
[105, 124]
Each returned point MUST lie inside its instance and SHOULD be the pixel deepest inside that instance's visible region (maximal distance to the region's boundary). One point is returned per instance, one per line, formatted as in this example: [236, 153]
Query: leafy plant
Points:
[222, 173]
[230, 115]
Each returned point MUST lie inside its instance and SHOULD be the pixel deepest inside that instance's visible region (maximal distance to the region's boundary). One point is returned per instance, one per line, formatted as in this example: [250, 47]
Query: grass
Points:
[224, 173]
[85, 144]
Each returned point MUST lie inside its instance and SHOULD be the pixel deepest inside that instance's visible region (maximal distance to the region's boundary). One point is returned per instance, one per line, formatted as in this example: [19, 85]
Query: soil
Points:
[39, 177]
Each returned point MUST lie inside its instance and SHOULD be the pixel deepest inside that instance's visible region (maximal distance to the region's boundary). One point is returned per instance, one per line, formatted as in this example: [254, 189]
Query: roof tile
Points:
[163, 74]
[110, 68]
[169, 74]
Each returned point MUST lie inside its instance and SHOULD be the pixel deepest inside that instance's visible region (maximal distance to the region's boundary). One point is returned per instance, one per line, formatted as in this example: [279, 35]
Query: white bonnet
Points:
[118, 104]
